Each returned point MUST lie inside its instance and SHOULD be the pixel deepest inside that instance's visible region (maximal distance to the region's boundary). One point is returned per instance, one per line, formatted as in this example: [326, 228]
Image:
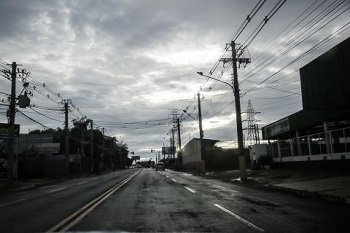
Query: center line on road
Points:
[239, 218]
[12, 202]
[226, 189]
[189, 189]
[55, 190]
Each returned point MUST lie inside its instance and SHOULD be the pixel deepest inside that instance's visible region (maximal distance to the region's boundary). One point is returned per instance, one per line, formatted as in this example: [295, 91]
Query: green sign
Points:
[276, 128]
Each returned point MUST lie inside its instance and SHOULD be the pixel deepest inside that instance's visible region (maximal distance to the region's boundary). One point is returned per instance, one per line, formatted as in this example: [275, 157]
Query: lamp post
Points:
[242, 165]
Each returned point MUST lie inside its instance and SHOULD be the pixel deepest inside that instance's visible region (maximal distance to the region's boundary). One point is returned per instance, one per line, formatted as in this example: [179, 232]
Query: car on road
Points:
[160, 166]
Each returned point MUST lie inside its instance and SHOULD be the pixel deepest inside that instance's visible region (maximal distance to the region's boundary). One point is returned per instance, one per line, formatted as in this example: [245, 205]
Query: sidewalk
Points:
[26, 185]
[328, 185]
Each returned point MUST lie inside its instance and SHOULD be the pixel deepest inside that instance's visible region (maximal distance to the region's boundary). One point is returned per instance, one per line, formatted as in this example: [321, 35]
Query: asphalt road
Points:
[157, 201]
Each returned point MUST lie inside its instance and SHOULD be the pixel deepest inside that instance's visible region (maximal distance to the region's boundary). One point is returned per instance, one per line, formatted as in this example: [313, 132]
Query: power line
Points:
[285, 49]
[258, 29]
[28, 117]
[45, 115]
[244, 24]
[343, 28]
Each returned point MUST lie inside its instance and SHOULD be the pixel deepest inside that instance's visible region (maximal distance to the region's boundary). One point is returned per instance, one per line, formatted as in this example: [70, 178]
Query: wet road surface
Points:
[145, 200]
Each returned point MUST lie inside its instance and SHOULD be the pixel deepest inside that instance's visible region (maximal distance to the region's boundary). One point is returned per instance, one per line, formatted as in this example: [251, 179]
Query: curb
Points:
[34, 186]
[306, 193]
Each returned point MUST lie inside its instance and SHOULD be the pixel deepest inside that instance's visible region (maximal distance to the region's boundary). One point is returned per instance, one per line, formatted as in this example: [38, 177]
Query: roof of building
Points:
[306, 122]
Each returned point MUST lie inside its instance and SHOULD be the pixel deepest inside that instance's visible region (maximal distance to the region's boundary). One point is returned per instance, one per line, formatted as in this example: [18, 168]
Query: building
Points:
[214, 158]
[321, 130]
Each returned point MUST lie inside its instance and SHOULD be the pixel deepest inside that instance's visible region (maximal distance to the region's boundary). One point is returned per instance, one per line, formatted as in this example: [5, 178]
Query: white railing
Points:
[332, 142]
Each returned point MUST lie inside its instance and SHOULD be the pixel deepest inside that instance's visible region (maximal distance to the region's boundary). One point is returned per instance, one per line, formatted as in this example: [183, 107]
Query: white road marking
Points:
[174, 180]
[223, 188]
[55, 190]
[78, 215]
[12, 202]
[189, 189]
[84, 182]
[239, 218]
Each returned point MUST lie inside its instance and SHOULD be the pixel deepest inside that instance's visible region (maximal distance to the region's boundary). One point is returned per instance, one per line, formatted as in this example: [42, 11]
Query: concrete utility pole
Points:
[242, 165]
[103, 142]
[201, 135]
[178, 132]
[257, 134]
[172, 139]
[66, 131]
[91, 144]
[11, 133]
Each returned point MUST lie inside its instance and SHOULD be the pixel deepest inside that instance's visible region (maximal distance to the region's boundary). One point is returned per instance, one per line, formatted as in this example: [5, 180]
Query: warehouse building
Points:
[321, 130]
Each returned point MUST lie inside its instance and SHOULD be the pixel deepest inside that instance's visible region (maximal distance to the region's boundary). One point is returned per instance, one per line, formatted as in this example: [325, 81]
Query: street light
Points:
[242, 166]
[207, 76]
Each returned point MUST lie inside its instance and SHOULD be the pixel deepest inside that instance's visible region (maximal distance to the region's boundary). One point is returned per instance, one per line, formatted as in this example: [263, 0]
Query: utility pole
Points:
[91, 144]
[178, 132]
[242, 165]
[173, 142]
[201, 135]
[103, 142]
[66, 131]
[257, 134]
[11, 132]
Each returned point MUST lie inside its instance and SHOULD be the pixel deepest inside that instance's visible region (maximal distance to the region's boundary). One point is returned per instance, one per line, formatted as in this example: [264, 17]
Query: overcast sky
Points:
[123, 61]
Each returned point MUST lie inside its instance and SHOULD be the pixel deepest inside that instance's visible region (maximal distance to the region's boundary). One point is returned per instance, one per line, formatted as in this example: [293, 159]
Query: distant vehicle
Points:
[160, 166]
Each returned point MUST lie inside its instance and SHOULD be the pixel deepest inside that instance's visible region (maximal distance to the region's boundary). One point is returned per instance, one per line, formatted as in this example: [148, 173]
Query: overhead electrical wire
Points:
[284, 31]
[28, 117]
[130, 123]
[42, 114]
[326, 39]
[258, 29]
[242, 27]
[287, 49]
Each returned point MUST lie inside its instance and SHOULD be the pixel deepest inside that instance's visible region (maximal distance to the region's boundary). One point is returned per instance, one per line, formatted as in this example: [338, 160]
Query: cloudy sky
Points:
[127, 61]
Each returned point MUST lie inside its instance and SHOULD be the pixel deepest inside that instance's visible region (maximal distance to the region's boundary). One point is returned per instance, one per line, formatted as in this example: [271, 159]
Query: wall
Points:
[325, 81]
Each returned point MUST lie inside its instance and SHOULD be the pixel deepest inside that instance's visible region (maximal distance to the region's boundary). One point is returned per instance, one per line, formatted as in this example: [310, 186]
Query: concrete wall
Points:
[256, 151]
[215, 158]
[191, 152]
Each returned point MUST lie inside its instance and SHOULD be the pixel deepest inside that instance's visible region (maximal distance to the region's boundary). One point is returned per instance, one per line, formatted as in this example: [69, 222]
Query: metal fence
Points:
[334, 141]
